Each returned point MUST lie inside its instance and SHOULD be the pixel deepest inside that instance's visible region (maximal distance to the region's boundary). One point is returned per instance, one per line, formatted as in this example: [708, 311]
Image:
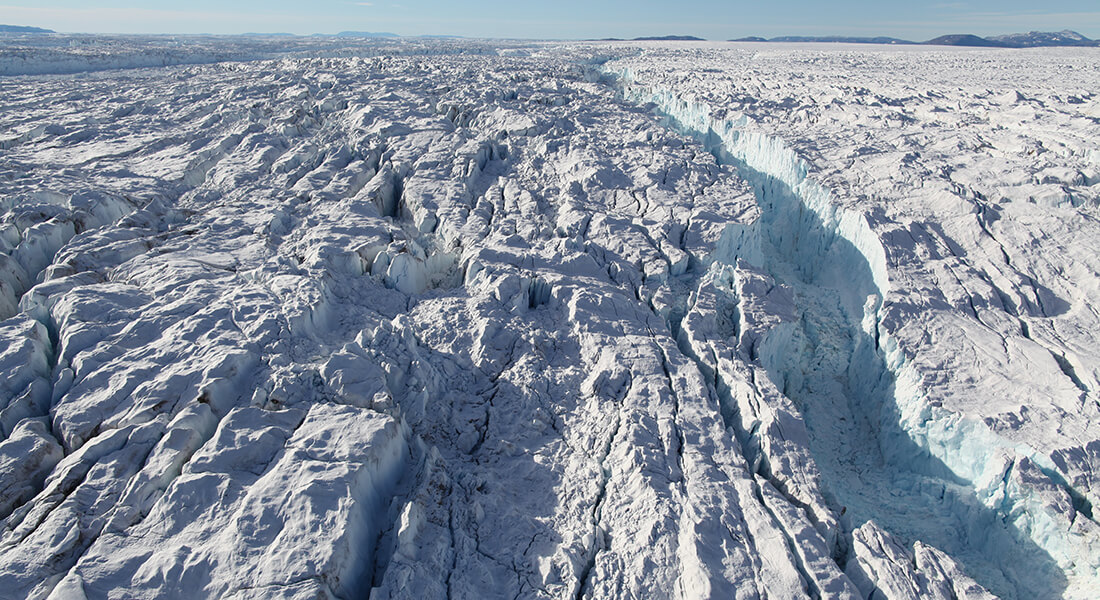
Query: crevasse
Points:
[806, 238]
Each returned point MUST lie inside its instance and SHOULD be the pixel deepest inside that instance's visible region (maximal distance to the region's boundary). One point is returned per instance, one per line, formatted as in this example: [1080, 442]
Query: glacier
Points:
[936, 451]
[459, 318]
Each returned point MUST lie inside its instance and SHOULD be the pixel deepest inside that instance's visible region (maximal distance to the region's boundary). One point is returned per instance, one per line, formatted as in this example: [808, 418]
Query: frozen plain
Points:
[474, 320]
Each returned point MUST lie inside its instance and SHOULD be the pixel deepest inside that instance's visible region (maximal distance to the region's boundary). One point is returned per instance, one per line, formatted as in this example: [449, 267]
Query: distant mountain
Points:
[670, 38]
[841, 39]
[965, 39]
[366, 34]
[22, 29]
[1034, 39]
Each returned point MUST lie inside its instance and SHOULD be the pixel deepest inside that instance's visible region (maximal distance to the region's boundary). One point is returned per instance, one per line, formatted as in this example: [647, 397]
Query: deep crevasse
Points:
[805, 238]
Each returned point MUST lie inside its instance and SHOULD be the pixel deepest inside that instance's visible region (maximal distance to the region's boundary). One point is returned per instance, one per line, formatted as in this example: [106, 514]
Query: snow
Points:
[319, 318]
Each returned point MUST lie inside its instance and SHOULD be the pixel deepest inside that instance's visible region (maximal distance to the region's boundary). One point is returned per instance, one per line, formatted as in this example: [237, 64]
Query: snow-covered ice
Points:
[461, 319]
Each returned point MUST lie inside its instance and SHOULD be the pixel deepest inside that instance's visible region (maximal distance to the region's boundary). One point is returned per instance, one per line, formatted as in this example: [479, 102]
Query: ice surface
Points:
[426, 319]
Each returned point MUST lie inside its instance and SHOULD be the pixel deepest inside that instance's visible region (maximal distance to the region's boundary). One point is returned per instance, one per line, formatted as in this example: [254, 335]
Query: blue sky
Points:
[567, 19]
